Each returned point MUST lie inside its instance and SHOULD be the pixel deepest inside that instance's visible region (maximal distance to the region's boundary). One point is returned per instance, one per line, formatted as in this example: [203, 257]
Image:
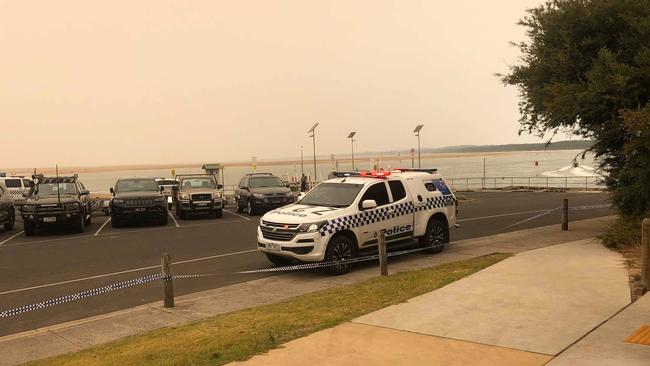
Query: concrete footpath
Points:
[84, 333]
[525, 310]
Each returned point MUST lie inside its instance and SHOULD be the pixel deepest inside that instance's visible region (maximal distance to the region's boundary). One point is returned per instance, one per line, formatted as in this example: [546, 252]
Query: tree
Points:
[585, 70]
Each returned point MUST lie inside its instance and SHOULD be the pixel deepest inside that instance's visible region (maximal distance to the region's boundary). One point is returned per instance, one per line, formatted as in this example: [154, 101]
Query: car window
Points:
[13, 183]
[167, 182]
[259, 182]
[27, 183]
[377, 192]
[132, 185]
[397, 189]
[332, 195]
[430, 186]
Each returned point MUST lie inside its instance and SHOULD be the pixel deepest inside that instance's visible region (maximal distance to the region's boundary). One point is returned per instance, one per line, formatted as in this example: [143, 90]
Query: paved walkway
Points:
[84, 333]
[524, 310]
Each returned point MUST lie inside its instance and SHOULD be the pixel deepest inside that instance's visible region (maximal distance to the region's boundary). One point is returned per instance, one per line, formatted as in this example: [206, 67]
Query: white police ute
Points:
[341, 218]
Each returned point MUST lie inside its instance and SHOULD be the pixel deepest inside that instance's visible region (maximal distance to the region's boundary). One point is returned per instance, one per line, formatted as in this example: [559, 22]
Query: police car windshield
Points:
[332, 195]
[53, 189]
[133, 185]
[266, 182]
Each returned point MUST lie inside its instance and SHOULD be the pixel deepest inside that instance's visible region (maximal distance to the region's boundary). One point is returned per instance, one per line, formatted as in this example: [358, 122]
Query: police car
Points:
[341, 217]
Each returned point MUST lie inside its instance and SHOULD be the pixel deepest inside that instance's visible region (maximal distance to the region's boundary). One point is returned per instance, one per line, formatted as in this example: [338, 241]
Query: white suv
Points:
[342, 217]
[17, 187]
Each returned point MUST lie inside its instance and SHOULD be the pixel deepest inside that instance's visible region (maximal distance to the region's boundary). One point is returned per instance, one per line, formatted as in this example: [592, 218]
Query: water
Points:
[555, 163]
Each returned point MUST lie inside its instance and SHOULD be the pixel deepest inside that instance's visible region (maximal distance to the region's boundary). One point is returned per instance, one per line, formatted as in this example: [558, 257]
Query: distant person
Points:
[303, 183]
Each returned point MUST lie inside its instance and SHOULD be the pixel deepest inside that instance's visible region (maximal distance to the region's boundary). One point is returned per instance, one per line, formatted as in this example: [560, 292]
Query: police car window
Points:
[27, 183]
[12, 183]
[377, 192]
[332, 195]
[397, 189]
[430, 187]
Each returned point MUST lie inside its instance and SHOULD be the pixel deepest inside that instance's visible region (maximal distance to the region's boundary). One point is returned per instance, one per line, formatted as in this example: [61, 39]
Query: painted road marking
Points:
[11, 237]
[174, 219]
[101, 227]
[125, 271]
[238, 215]
[504, 215]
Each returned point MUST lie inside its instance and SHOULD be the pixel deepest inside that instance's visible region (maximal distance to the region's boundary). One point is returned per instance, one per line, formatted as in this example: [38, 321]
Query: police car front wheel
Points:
[340, 248]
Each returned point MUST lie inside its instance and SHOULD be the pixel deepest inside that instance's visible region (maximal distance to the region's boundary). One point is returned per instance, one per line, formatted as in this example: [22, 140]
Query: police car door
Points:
[373, 219]
[427, 194]
[399, 225]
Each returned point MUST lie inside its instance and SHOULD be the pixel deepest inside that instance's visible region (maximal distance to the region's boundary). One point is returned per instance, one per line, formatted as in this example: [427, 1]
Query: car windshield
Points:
[133, 185]
[53, 189]
[198, 183]
[12, 183]
[260, 182]
[332, 195]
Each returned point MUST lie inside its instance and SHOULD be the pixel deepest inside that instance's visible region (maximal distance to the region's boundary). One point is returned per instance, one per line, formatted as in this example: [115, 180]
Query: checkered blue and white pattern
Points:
[383, 213]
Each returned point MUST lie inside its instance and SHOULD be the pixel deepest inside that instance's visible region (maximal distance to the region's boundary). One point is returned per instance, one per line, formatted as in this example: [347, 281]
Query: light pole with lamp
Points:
[417, 130]
[312, 130]
[351, 137]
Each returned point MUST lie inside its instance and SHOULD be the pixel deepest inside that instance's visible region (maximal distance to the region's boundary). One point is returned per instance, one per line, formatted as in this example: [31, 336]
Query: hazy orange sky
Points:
[131, 82]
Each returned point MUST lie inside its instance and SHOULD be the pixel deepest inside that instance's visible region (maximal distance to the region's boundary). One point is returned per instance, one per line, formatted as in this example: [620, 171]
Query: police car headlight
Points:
[184, 196]
[311, 227]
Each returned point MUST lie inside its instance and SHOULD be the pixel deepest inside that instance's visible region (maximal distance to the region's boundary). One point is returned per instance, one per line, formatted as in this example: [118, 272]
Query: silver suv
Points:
[198, 194]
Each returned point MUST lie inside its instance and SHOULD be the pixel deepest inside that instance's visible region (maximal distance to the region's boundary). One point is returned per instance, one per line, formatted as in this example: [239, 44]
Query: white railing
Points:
[474, 183]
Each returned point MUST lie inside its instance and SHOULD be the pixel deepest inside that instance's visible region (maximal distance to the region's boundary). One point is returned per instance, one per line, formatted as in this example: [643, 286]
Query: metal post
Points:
[302, 163]
[565, 214]
[586, 184]
[419, 158]
[529, 183]
[352, 140]
[645, 254]
[566, 182]
[168, 285]
[383, 257]
[314, 142]
[467, 183]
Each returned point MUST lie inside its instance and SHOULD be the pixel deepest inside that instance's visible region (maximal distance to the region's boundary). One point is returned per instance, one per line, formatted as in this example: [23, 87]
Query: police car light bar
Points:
[422, 170]
[362, 174]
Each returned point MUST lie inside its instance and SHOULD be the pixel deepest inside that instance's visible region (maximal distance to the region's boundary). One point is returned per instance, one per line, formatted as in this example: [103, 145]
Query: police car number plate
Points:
[273, 246]
[49, 219]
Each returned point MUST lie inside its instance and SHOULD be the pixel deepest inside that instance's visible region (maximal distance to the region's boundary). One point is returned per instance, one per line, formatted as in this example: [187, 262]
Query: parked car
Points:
[138, 199]
[198, 194]
[341, 217]
[258, 192]
[7, 209]
[17, 187]
[168, 189]
[57, 201]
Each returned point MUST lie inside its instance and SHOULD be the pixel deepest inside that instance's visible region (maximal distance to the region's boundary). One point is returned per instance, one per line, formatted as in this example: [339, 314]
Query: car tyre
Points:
[250, 208]
[164, 220]
[9, 225]
[30, 228]
[339, 248]
[80, 225]
[436, 236]
[116, 222]
[277, 260]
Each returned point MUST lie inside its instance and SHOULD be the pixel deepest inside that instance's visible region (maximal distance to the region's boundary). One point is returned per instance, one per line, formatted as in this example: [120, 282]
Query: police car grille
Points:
[139, 202]
[279, 235]
[201, 197]
[279, 225]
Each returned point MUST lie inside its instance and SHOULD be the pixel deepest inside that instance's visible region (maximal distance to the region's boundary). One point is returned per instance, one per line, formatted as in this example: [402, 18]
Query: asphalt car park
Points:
[56, 263]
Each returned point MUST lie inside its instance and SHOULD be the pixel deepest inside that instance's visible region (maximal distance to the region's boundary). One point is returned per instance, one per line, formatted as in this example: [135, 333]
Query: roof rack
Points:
[421, 170]
[193, 175]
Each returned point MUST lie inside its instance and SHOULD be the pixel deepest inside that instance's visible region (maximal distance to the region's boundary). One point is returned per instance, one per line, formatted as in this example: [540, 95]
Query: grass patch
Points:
[239, 335]
[624, 232]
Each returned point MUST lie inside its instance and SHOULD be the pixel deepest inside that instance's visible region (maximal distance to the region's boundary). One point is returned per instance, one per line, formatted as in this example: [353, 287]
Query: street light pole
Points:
[417, 130]
[312, 130]
[302, 162]
[351, 137]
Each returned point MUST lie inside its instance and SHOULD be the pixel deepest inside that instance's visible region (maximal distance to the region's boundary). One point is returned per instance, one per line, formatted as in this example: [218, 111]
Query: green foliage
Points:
[624, 232]
[585, 69]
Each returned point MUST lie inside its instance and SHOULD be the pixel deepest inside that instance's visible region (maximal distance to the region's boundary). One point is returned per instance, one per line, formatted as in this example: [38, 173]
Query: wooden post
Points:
[645, 254]
[168, 285]
[565, 214]
[383, 259]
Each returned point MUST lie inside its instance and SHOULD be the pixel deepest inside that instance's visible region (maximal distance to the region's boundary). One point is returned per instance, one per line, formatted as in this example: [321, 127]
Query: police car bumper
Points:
[306, 247]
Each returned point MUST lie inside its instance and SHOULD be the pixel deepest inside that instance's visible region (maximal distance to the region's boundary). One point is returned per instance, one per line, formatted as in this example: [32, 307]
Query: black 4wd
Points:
[262, 192]
[7, 210]
[137, 199]
[57, 201]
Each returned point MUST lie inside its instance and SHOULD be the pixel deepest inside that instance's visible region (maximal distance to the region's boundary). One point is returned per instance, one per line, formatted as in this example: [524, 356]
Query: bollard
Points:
[383, 257]
[168, 285]
[645, 254]
[565, 214]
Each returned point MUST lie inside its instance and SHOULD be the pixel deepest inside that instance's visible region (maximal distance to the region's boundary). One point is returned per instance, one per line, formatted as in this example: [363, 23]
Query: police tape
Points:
[80, 295]
[157, 276]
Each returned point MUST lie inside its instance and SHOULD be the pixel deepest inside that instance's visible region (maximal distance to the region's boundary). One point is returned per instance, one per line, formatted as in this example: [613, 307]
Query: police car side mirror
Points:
[368, 204]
